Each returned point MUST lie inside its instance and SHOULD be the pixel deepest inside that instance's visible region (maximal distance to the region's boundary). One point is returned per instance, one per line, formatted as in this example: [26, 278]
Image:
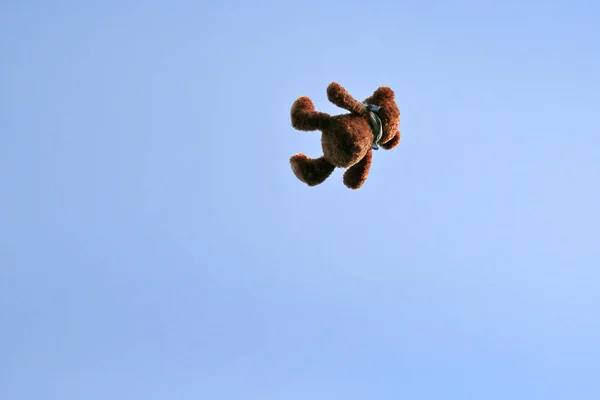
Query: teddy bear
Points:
[348, 140]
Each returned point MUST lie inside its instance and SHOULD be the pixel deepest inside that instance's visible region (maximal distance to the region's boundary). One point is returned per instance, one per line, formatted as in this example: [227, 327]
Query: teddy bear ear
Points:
[384, 92]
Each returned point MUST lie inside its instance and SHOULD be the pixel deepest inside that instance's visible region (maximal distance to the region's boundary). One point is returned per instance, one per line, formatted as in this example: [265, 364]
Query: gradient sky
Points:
[154, 243]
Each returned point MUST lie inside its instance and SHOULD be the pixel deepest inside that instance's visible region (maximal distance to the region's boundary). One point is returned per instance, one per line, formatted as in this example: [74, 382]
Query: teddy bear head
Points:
[388, 111]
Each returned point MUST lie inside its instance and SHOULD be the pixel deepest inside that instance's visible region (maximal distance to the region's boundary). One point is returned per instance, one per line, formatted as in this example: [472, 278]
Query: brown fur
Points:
[346, 139]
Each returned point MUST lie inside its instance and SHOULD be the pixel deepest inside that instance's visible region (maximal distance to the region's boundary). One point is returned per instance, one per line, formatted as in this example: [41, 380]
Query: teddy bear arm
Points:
[341, 98]
[305, 117]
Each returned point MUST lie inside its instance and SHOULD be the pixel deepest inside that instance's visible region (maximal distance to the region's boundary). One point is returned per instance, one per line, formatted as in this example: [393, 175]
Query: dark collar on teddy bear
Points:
[375, 122]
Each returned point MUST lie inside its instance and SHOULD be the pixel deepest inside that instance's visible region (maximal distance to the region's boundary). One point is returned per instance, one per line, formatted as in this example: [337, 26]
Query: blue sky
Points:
[156, 245]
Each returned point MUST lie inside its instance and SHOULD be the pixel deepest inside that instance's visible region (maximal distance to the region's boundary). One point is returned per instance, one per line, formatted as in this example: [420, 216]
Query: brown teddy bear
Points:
[347, 140]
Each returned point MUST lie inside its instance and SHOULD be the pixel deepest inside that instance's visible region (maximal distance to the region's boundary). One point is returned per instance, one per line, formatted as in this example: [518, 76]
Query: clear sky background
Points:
[154, 243]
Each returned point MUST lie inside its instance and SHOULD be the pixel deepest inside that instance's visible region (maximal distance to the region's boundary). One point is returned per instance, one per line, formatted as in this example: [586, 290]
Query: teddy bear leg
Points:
[356, 175]
[305, 117]
[311, 171]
